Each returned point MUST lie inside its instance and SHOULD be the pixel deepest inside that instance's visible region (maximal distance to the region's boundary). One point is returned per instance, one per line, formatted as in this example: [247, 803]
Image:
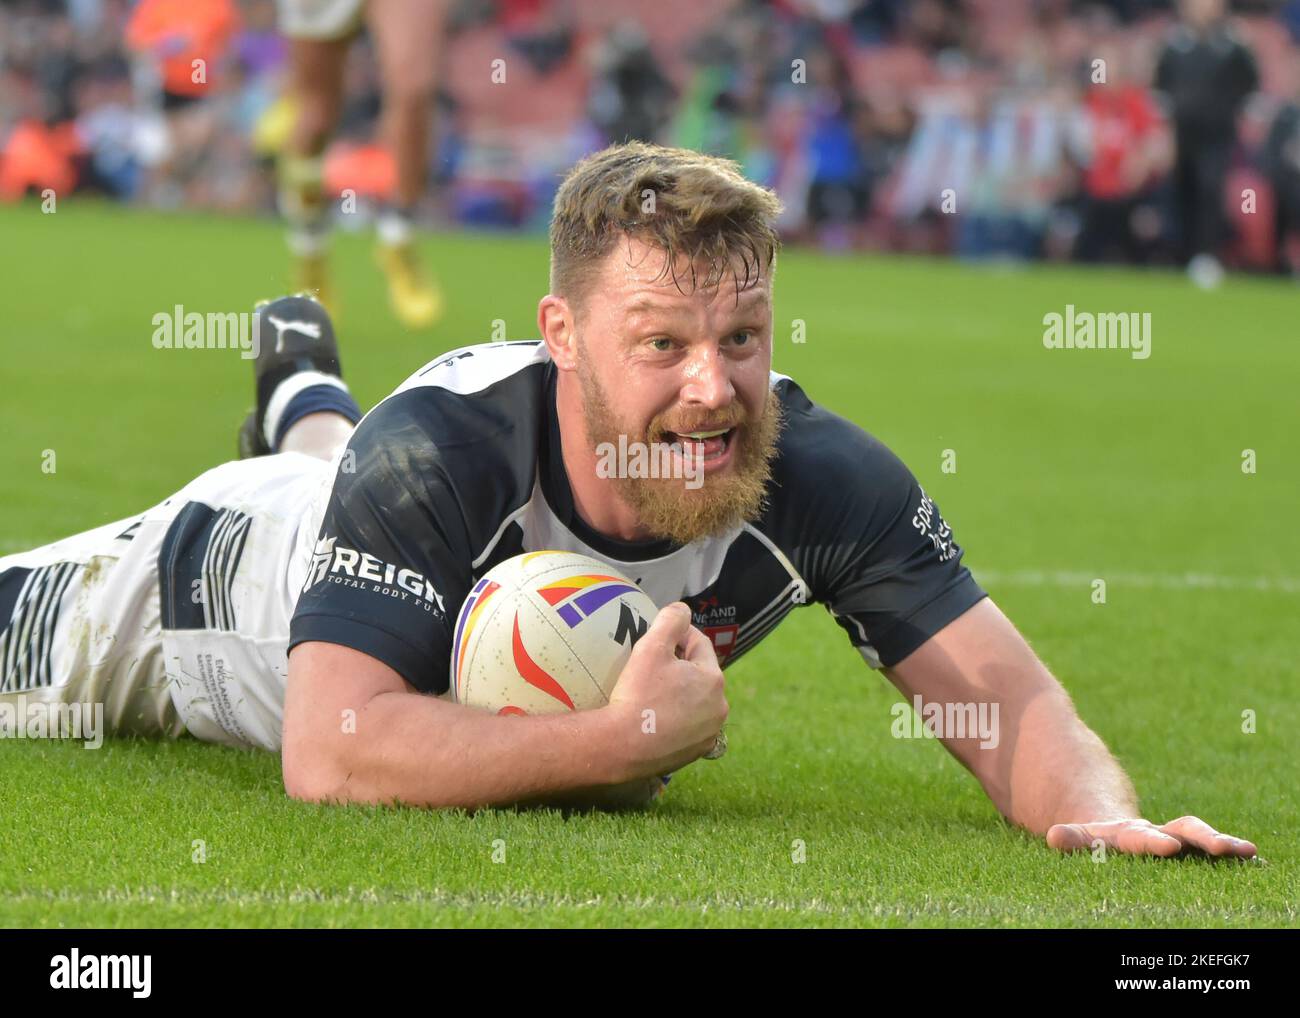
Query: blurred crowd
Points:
[1130, 130]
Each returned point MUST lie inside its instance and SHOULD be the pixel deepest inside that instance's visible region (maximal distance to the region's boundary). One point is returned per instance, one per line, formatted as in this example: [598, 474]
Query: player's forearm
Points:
[1046, 766]
[1060, 772]
[422, 751]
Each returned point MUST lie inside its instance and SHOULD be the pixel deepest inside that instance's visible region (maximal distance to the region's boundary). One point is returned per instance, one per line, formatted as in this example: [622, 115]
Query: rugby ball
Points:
[545, 632]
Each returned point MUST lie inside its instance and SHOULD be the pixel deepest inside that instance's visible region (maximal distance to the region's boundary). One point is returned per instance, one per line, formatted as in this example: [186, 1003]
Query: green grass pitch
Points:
[1071, 465]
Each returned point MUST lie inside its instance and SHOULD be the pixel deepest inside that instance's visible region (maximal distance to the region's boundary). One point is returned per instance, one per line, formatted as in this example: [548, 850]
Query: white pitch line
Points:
[718, 904]
[1163, 581]
[436, 898]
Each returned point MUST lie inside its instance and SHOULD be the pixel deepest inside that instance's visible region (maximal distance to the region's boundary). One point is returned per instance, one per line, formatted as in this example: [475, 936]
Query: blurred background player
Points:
[1206, 73]
[180, 47]
[407, 36]
[1127, 152]
[891, 106]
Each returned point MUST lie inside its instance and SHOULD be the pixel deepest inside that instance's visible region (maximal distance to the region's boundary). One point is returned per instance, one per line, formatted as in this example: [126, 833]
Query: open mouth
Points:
[710, 444]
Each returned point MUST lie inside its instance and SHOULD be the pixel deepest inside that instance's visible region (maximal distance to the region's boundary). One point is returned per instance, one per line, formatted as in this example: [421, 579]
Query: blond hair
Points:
[681, 201]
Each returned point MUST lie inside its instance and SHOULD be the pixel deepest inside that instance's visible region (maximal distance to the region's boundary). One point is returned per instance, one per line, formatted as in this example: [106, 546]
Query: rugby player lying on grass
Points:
[303, 598]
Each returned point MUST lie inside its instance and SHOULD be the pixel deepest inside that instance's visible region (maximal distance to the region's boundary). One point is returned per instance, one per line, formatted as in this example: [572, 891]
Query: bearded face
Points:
[713, 465]
[673, 367]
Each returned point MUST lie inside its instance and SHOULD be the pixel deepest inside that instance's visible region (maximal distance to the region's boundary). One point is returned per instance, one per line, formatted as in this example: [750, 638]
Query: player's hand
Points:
[669, 702]
[1186, 835]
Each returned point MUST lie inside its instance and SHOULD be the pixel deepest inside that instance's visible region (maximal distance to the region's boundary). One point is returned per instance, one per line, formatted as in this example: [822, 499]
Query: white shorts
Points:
[174, 620]
[319, 19]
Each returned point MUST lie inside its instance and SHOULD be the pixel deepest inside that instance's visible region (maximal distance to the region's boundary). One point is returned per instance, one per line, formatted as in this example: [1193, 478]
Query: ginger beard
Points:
[665, 506]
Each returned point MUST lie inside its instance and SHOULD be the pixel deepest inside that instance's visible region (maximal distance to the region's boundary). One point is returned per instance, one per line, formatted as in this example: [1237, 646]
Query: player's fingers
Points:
[1196, 832]
[1139, 837]
[699, 649]
[668, 630]
[690, 755]
[1068, 837]
[1130, 837]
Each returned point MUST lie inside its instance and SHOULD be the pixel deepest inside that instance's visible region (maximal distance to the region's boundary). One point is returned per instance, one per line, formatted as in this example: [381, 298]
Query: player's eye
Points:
[662, 344]
[741, 338]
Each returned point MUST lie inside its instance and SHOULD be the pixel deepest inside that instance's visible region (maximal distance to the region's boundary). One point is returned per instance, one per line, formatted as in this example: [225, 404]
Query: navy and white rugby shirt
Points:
[460, 468]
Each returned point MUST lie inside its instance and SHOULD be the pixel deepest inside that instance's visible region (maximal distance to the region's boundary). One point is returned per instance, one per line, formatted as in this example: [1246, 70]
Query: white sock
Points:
[395, 228]
[307, 243]
[284, 394]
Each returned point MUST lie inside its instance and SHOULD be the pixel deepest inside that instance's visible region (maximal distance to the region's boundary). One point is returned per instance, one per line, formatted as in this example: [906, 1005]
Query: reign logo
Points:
[320, 561]
[352, 568]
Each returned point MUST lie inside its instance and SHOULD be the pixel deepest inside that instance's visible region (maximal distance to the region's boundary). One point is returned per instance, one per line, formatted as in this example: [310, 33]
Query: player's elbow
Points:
[311, 772]
[313, 757]
[302, 783]
[327, 754]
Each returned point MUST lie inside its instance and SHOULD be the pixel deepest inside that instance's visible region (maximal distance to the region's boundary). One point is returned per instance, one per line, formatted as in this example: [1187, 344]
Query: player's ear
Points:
[555, 322]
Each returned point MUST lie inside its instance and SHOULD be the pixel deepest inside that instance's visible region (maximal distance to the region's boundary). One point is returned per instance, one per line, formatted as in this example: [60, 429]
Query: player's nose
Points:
[707, 379]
